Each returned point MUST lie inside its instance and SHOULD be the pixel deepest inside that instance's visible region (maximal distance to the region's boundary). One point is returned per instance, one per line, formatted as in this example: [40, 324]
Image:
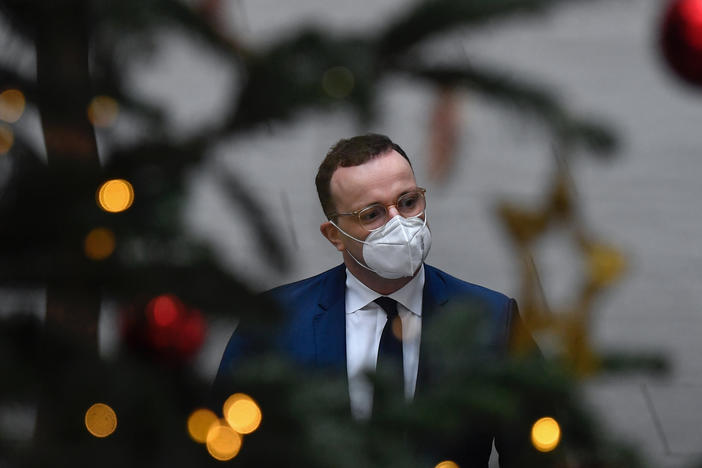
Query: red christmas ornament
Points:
[165, 329]
[681, 39]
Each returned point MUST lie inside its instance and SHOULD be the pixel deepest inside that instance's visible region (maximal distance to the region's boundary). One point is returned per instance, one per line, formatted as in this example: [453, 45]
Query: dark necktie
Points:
[390, 351]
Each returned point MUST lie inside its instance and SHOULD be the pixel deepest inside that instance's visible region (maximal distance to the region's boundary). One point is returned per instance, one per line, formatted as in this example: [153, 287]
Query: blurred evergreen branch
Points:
[433, 17]
[279, 81]
[526, 98]
[46, 209]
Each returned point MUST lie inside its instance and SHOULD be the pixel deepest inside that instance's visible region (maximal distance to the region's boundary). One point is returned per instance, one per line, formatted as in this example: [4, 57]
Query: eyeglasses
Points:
[375, 216]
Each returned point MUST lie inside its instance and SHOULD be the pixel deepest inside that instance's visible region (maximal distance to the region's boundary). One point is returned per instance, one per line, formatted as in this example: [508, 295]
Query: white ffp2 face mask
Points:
[397, 249]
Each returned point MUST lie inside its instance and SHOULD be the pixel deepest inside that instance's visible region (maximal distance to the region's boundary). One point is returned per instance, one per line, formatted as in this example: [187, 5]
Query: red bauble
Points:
[681, 39]
[165, 329]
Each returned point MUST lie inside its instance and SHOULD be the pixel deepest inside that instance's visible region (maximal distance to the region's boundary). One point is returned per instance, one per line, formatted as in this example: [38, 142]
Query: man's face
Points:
[379, 180]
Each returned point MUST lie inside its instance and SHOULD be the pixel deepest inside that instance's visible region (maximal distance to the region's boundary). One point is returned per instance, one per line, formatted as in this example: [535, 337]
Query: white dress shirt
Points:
[365, 321]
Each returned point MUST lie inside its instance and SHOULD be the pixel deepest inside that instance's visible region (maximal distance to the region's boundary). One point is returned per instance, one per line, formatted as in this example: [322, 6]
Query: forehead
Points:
[380, 179]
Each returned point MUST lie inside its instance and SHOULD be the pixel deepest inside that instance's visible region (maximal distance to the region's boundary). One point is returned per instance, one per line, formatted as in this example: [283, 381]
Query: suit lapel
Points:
[435, 294]
[434, 298]
[329, 321]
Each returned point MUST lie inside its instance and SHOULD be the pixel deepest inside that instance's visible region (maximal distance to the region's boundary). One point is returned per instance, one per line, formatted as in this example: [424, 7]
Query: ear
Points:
[333, 235]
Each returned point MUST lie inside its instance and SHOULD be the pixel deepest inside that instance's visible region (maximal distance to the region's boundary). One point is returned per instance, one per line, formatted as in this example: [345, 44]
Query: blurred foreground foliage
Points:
[53, 371]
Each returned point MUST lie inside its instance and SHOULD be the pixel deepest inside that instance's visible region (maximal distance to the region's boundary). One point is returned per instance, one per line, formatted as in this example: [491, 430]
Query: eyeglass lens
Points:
[409, 204]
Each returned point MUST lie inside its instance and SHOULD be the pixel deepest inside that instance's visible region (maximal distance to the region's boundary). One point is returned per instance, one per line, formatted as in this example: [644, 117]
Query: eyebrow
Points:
[415, 187]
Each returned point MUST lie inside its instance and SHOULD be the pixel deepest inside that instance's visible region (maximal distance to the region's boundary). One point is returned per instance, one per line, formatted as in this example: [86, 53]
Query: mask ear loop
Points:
[346, 234]
[347, 250]
[364, 266]
[424, 225]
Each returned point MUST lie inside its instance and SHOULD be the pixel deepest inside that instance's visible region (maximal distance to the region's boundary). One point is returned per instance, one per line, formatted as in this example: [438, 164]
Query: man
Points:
[377, 219]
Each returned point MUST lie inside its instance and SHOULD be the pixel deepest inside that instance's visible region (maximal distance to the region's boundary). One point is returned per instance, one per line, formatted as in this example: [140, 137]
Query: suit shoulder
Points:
[303, 288]
[500, 311]
[457, 287]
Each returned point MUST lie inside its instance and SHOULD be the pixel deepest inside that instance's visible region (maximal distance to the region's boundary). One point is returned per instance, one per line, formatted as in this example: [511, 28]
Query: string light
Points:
[100, 420]
[115, 195]
[223, 436]
[223, 442]
[99, 244]
[199, 424]
[242, 413]
[7, 138]
[102, 111]
[545, 434]
[446, 464]
[12, 104]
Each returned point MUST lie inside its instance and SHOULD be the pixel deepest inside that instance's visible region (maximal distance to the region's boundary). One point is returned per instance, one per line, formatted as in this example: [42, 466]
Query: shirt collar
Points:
[358, 295]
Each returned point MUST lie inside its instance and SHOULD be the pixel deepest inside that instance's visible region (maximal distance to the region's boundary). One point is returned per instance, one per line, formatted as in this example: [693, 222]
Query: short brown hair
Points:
[349, 153]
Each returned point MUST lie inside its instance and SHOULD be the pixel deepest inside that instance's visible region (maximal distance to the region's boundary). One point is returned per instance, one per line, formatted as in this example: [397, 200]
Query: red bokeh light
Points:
[164, 310]
[165, 329]
[192, 333]
[681, 39]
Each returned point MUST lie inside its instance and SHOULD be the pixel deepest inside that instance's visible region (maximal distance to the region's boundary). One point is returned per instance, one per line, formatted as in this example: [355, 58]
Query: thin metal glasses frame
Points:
[357, 213]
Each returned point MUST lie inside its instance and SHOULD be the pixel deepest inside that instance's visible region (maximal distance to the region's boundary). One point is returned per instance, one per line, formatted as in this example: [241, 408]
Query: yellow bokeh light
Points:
[115, 195]
[99, 244]
[545, 434]
[100, 420]
[102, 111]
[446, 464]
[242, 413]
[338, 82]
[223, 442]
[199, 424]
[12, 105]
[7, 138]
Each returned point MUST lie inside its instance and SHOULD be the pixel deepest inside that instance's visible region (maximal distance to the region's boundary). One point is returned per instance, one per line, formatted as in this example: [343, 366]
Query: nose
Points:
[392, 211]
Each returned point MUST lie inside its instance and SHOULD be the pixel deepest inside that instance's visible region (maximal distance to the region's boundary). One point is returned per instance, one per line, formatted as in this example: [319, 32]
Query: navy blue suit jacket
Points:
[314, 330]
